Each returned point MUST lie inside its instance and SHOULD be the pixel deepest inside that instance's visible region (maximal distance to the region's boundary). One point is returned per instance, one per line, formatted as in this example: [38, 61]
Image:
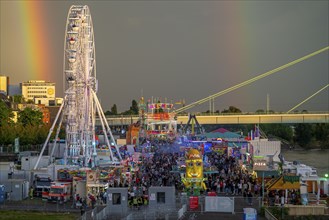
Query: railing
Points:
[269, 215]
[181, 212]
[240, 118]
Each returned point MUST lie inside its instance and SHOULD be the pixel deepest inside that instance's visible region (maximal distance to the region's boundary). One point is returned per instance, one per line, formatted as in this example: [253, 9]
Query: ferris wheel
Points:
[80, 83]
[80, 106]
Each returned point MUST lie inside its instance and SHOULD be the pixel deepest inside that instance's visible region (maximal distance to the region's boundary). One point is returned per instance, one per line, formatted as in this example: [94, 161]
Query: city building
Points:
[4, 85]
[15, 90]
[39, 91]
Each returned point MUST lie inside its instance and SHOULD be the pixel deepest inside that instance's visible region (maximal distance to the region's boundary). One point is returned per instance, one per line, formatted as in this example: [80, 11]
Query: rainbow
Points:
[36, 47]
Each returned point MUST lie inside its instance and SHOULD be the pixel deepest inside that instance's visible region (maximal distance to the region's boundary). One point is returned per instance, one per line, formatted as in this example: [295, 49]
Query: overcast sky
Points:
[179, 50]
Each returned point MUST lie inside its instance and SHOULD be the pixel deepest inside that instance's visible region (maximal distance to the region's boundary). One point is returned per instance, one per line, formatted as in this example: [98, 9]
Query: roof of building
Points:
[284, 182]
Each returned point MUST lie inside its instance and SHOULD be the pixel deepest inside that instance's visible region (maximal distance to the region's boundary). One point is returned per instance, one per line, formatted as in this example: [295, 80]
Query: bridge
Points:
[288, 117]
[248, 118]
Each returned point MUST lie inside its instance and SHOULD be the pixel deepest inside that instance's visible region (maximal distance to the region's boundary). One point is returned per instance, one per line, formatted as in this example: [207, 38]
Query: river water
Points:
[318, 159]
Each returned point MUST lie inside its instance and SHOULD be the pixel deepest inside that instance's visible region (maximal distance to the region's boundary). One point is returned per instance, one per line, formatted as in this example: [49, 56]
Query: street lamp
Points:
[326, 175]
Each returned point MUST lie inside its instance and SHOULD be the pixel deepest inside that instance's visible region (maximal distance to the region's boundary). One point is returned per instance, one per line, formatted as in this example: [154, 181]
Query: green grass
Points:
[34, 215]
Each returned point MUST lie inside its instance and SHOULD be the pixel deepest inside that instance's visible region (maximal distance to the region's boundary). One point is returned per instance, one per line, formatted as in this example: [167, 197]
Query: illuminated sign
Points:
[260, 165]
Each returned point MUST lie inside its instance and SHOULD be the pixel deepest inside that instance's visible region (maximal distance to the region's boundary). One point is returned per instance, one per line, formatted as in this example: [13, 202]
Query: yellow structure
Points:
[4, 84]
[283, 183]
[194, 170]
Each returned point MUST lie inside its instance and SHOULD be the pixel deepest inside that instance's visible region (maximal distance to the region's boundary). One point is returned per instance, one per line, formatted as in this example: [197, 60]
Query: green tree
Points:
[303, 135]
[114, 110]
[42, 133]
[232, 109]
[134, 107]
[28, 134]
[17, 99]
[6, 114]
[7, 134]
[133, 110]
[30, 117]
[260, 111]
[282, 131]
[321, 134]
[108, 112]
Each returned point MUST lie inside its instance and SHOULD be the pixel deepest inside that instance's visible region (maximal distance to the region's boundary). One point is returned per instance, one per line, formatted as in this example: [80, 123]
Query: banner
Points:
[219, 204]
[291, 179]
[16, 145]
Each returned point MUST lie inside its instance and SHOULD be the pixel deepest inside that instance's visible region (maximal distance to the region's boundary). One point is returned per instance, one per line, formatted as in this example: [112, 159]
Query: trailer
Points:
[60, 191]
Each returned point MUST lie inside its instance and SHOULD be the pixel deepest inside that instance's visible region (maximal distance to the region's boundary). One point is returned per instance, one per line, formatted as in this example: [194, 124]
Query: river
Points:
[318, 159]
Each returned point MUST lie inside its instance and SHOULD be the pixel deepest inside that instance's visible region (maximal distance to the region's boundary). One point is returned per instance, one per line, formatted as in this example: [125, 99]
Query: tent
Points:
[284, 182]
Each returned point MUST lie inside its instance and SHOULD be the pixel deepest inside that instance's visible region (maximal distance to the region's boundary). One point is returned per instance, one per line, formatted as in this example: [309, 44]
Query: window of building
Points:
[116, 198]
[161, 197]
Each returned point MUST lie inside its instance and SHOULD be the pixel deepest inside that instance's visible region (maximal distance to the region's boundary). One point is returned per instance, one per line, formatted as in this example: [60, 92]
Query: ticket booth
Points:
[117, 200]
[162, 197]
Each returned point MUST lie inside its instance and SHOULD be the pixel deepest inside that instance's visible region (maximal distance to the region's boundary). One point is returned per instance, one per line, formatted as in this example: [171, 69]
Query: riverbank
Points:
[316, 158]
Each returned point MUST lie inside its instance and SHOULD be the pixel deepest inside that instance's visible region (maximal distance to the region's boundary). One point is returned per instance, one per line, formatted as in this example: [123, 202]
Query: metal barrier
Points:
[269, 215]
[234, 205]
[181, 212]
[238, 203]
[244, 202]
[219, 204]
[143, 212]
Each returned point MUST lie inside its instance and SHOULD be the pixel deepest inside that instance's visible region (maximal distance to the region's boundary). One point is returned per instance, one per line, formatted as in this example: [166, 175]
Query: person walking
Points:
[249, 195]
[31, 192]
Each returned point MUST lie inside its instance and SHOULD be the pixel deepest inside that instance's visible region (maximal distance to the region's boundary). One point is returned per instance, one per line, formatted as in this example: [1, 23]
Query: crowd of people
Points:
[160, 169]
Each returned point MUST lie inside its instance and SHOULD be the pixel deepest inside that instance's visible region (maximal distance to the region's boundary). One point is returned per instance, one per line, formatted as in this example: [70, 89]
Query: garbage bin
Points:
[249, 214]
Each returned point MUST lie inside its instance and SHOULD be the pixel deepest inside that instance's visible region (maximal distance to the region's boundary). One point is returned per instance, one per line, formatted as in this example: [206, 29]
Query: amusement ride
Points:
[80, 105]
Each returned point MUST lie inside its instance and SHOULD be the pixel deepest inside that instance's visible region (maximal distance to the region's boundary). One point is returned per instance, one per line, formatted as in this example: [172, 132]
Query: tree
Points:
[303, 135]
[108, 113]
[42, 133]
[114, 110]
[260, 111]
[134, 107]
[232, 109]
[7, 134]
[17, 99]
[27, 134]
[321, 134]
[279, 130]
[6, 114]
[30, 117]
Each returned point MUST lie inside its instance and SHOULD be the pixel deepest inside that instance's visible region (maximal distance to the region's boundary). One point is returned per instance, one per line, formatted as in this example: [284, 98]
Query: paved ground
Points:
[135, 214]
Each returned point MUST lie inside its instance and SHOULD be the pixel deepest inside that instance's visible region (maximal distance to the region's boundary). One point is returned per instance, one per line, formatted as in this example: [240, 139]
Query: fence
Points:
[182, 211]
[234, 205]
[269, 215]
[11, 148]
[245, 202]
[144, 212]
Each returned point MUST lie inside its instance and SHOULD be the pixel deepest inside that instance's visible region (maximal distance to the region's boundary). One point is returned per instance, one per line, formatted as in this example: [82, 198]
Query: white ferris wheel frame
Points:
[80, 105]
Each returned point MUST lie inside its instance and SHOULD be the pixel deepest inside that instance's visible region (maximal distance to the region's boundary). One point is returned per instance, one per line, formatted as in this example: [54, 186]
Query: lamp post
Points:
[263, 186]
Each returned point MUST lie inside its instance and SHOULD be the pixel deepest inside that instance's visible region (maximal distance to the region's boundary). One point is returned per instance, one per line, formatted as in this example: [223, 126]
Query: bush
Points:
[262, 211]
[279, 212]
